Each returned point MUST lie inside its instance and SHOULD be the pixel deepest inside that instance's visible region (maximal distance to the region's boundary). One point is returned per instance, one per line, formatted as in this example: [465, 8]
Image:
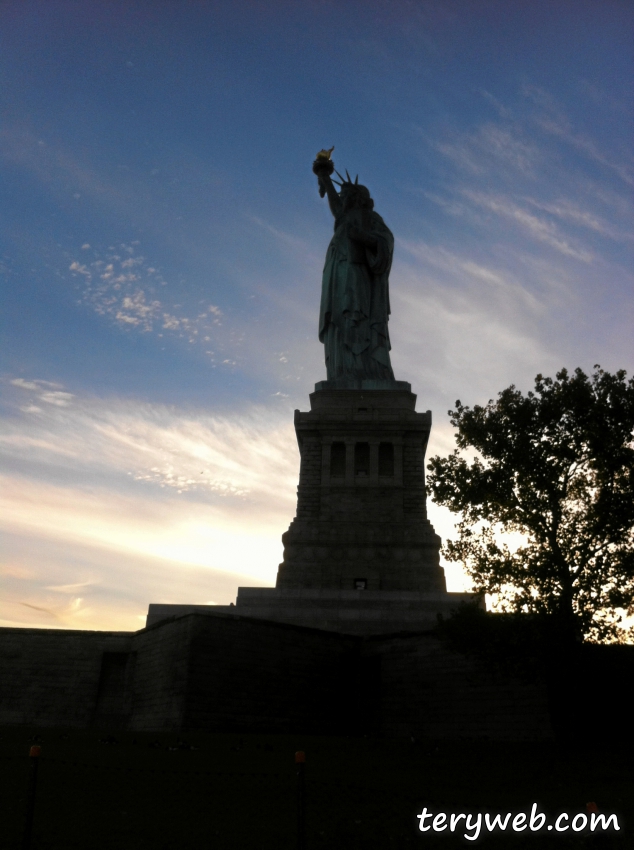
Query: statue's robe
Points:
[355, 302]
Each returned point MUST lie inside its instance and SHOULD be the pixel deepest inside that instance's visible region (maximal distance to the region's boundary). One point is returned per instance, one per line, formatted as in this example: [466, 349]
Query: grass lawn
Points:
[142, 792]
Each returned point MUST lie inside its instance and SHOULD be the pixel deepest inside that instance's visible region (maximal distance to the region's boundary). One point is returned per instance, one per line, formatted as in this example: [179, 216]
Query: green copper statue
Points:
[355, 302]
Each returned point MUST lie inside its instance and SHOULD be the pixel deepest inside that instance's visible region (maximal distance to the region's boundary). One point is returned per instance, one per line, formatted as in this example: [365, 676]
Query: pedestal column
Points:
[361, 515]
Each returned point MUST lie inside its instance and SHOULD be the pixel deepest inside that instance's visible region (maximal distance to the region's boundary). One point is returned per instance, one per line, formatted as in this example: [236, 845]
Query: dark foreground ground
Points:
[141, 791]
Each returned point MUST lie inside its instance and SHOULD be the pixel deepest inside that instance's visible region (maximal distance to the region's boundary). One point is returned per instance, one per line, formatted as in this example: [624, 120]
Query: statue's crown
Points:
[348, 184]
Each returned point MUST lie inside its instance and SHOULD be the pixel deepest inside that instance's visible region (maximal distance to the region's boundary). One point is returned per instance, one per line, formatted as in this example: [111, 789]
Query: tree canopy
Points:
[556, 466]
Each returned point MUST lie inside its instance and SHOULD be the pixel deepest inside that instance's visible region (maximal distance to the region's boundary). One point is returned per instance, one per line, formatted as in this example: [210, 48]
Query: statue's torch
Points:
[323, 164]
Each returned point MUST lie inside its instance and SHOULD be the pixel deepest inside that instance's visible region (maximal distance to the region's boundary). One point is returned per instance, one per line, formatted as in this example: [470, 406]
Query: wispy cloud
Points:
[554, 121]
[601, 97]
[452, 314]
[567, 210]
[56, 397]
[127, 289]
[539, 228]
[132, 294]
[180, 492]
[290, 241]
[131, 525]
[245, 457]
[60, 581]
[34, 385]
[512, 168]
[461, 154]
[491, 147]
[53, 164]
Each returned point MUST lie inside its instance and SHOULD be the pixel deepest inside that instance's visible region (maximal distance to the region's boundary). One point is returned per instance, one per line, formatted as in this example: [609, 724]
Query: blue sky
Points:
[163, 239]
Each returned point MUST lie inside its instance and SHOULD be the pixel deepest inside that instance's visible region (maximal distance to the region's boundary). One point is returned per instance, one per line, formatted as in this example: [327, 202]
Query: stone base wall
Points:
[232, 673]
[258, 676]
[427, 691]
[50, 677]
[226, 672]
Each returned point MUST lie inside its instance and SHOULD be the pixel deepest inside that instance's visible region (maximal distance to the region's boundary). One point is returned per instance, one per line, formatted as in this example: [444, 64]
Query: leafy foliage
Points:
[556, 466]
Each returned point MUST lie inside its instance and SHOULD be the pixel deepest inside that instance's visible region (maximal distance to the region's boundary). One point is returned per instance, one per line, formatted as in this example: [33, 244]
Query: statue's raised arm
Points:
[355, 303]
[323, 166]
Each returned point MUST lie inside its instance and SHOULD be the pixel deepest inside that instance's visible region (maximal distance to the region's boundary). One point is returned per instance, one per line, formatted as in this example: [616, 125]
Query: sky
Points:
[162, 242]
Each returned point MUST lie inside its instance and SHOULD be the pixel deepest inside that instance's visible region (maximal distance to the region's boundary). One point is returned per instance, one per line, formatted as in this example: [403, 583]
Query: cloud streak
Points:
[123, 287]
[538, 228]
[553, 121]
[103, 496]
[244, 457]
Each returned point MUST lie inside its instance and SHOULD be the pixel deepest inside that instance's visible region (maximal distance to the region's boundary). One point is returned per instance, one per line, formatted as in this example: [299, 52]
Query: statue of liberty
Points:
[355, 302]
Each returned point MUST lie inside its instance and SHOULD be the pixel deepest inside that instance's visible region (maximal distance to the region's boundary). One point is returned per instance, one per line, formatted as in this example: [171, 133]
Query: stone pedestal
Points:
[361, 519]
[360, 557]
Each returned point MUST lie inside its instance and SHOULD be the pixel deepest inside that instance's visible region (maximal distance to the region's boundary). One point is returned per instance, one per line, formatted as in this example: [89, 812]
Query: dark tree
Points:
[557, 466]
